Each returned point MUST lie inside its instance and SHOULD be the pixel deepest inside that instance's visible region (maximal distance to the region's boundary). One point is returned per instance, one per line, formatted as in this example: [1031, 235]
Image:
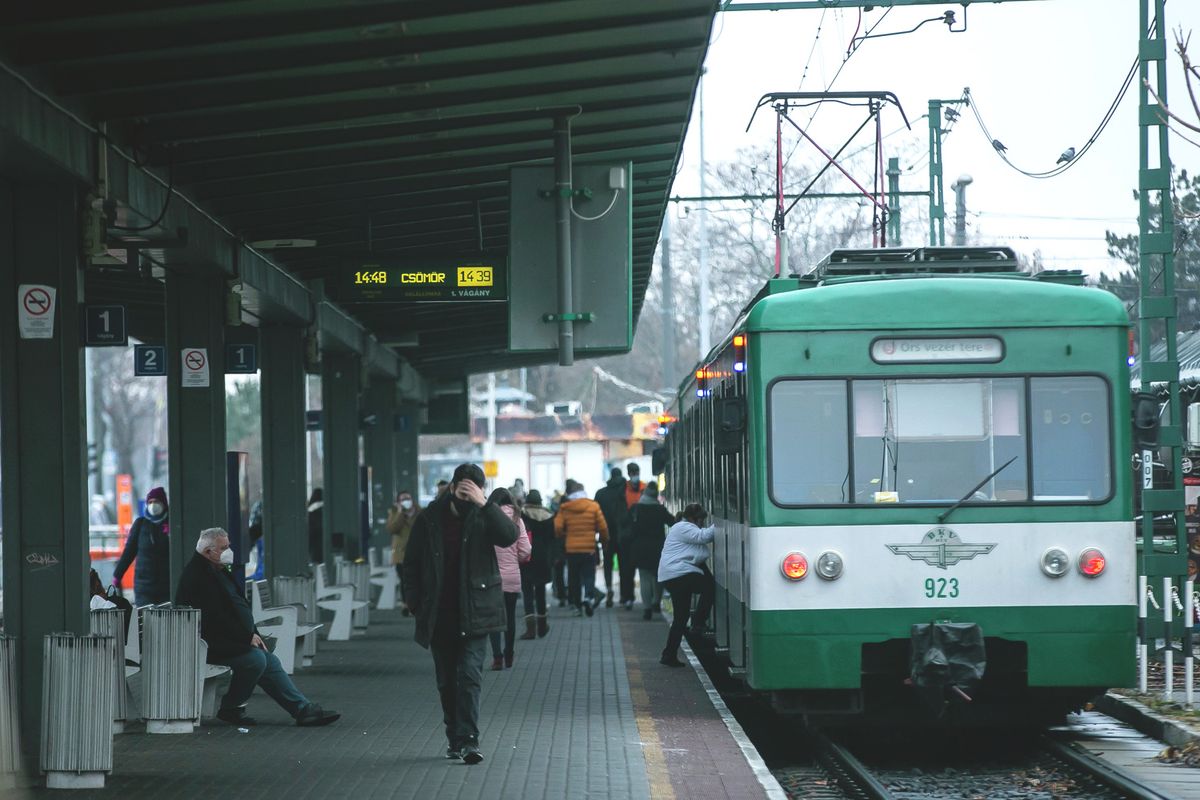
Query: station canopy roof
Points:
[377, 127]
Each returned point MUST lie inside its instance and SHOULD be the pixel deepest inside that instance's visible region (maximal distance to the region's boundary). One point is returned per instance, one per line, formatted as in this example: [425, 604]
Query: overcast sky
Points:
[1043, 73]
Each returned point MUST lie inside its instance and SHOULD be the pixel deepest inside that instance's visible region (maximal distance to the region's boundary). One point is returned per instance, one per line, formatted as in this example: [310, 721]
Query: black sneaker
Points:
[589, 608]
[236, 716]
[314, 716]
[471, 754]
[671, 661]
[454, 750]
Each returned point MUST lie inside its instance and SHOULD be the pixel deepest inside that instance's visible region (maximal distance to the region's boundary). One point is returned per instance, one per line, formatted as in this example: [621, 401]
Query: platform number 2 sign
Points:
[149, 359]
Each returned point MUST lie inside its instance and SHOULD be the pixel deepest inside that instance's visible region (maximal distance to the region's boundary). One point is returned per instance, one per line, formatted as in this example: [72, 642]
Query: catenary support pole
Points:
[670, 376]
[1143, 647]
[1189, 621]
[1168, 648]
[562, 228]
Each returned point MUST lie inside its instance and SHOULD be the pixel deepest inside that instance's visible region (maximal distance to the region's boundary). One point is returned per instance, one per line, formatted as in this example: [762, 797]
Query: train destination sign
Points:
[981, 349]
[463, 280]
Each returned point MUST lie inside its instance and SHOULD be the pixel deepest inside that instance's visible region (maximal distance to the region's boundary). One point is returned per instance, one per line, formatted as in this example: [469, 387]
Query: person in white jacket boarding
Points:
[683, 571]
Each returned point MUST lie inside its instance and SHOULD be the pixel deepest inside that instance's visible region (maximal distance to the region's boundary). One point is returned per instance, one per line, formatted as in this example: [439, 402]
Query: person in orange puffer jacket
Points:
[578, 521]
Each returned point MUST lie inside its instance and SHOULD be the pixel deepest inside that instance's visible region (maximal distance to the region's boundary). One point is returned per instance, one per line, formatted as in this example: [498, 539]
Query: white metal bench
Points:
[338, 598]
[384, 576]
[358, 575]
[300, 591]
[288, 631]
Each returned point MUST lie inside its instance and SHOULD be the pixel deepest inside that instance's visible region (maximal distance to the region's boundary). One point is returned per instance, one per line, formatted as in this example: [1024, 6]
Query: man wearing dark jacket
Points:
[452, 586]
[612, 504]
[227, 626]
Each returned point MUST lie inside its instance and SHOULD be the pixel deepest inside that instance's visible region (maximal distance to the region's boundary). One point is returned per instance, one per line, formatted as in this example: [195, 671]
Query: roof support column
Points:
[408, 425]
[42, 433]
[340, 378]
[284, 449]
[380, 453]
[195, 410]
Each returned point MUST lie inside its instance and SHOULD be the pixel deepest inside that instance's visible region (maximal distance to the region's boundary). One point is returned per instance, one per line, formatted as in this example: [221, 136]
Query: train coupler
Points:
[948, 661]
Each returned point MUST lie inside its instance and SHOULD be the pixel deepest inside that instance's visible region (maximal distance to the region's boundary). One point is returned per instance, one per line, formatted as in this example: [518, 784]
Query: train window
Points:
[1070, 423]
[809, 460]
[928, 441]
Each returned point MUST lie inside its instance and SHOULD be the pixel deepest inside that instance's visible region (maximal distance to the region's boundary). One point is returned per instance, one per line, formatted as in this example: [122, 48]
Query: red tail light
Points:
[795, 566]
[1091, 562]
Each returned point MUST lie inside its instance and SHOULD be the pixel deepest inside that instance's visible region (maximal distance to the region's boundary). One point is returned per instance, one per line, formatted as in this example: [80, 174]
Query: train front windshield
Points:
[929, 441]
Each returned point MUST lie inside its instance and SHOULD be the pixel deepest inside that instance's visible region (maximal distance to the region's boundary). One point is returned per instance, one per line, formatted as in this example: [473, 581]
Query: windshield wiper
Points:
[974, 489]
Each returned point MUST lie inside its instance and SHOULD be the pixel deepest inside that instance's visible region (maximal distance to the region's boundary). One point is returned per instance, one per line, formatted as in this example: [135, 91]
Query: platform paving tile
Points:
[560, 724]
[700, 760]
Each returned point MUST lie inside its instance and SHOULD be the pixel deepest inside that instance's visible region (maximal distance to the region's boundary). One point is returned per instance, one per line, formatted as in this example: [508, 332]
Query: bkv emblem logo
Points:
[941, 548]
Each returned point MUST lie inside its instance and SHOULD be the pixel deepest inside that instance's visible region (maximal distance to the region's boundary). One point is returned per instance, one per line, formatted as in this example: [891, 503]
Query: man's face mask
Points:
[155, 509]
[406, 504]
[227, 556]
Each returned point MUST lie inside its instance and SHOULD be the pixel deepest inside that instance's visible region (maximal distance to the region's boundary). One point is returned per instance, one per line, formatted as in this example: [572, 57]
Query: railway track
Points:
[1043, 768]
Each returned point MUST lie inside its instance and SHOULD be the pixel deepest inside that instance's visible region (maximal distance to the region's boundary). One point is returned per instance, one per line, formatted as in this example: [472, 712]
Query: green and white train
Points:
[909, 438]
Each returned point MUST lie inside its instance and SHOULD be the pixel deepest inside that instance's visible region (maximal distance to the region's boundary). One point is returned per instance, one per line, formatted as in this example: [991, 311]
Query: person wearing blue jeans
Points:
[227, 626]
[259, 668]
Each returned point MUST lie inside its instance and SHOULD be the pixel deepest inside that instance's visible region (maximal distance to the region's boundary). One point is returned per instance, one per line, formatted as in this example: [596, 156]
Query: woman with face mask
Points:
[148, 544]
[399, 525]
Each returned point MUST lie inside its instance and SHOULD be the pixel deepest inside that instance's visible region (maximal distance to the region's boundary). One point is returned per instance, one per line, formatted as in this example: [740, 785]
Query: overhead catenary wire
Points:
[1108, 115]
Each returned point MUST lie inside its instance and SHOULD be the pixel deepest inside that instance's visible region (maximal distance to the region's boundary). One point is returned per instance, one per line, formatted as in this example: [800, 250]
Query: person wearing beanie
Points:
[535, 574]
[148, 544]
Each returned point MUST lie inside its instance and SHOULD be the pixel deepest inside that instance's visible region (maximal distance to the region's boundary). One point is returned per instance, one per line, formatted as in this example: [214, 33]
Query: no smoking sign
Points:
[195, 367]
[35, 311]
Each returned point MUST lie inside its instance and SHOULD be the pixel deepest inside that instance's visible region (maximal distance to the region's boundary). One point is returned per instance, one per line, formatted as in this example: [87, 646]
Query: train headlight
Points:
[1091, 562]
[1055, 562]
[795, 566]
[829, 565]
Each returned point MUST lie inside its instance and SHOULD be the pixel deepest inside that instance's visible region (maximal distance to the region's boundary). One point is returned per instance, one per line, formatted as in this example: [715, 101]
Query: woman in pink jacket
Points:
[509, 559]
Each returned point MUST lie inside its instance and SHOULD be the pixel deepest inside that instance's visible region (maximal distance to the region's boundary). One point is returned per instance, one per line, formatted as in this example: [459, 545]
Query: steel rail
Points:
[839, 760]
[1108, 774]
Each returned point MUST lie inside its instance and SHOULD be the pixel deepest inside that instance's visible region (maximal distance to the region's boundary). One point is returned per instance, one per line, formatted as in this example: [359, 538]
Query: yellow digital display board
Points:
[462, 280]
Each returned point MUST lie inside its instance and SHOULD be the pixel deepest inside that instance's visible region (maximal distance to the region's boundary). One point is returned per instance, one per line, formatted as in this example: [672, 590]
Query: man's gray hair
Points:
[208, 538]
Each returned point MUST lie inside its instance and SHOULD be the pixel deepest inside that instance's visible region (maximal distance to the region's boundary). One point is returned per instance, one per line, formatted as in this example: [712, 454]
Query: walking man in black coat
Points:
[227, 626]
[452, 586]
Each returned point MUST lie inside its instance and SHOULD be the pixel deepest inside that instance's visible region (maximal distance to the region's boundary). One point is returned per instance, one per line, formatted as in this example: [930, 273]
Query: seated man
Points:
[227, 625]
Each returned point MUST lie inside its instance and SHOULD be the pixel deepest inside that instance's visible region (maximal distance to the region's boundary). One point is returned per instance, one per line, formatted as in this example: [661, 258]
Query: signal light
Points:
[795, 566]
[739, 353]
[702, 376]
[1091, 562]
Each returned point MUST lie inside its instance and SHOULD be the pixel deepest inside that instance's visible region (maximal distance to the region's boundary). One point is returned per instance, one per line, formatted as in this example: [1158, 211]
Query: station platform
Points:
[586, 712]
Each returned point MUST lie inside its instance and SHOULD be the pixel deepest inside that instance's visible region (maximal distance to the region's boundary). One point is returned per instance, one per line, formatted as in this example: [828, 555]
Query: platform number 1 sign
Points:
[104, 326]
[241, 359]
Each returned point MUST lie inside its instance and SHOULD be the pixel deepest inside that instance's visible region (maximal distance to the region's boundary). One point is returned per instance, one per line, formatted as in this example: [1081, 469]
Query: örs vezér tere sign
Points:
[918, 350]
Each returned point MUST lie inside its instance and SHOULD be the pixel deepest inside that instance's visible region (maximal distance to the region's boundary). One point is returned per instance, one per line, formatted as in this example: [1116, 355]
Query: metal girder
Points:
[550, 96]
[1156, 275]
[791, 5]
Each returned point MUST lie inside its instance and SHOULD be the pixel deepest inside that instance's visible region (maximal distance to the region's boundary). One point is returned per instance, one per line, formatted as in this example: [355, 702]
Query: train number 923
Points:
[941, 588]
